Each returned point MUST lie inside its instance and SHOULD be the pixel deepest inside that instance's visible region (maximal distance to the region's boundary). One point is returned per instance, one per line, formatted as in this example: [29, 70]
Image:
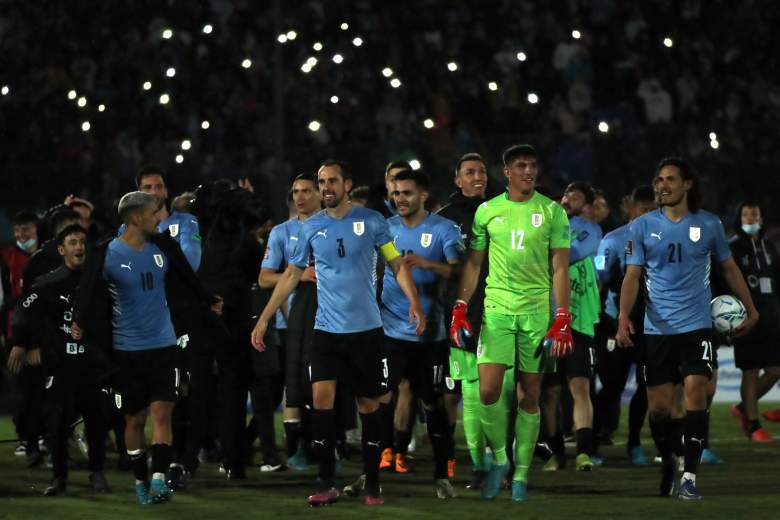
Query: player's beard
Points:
[659, 199]
[335, 201]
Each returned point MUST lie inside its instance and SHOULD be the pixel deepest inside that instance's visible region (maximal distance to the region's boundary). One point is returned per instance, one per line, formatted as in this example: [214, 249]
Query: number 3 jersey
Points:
[141, 318]
[345, 254]
[519, 237]
[677, 260]
[436, 239]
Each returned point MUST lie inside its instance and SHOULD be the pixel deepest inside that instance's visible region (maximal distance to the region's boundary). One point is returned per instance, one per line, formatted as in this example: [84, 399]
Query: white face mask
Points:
[27, 245]
[751, 229]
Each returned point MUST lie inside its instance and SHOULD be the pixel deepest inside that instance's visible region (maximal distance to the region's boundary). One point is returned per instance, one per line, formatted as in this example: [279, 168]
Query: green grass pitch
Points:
[746, 486]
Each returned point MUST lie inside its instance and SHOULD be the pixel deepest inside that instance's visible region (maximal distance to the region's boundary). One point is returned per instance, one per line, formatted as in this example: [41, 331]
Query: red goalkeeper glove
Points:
[558, 339]
[460, 328]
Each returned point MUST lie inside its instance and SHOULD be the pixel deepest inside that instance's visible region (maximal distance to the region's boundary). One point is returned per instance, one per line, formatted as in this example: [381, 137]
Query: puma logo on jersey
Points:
[126, 266]
[656, 235]
[500, 219]
[66, 299]
[323, 233]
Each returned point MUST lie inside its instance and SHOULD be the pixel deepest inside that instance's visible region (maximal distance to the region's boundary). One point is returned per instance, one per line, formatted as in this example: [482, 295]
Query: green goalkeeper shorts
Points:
[463, 365]
[513, 340]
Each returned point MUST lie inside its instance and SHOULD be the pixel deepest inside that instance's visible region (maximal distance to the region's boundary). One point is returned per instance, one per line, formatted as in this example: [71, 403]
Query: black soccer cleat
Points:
[56, 488]
[98, 482]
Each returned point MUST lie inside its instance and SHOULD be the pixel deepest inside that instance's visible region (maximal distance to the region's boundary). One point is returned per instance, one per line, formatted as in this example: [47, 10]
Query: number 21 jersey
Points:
[677, 260]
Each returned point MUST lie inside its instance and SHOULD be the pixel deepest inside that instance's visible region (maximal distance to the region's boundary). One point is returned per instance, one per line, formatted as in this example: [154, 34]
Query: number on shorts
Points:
[707, 350]
[592, 352]
[385, 369]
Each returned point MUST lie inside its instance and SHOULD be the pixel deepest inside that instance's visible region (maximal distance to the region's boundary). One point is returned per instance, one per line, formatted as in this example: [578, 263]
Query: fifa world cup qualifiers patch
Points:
[630, 247]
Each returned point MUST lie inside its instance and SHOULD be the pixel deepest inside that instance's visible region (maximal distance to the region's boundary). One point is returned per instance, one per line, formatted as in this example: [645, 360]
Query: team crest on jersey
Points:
[426, 239]
[359, 227]
[536, 219]
[694, 233]
[173, 229]
[158, 259]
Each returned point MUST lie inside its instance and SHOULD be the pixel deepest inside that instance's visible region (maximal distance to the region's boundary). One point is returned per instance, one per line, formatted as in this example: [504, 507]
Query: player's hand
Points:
[412, 260]
[749, 323]
[16, 359]
[76, 332]
[257, 335]
[33, 357]
[460, 328]
[217, 307]
[558, 339]
[246, 184]
[624, 332]
[416, 314]
[309, 274]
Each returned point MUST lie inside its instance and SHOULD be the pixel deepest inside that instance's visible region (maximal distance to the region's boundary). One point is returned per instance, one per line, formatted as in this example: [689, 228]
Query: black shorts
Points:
[146, 376]
[670, 359]
[353, 359]
[761, 347]
[422, 364]
[582, 361]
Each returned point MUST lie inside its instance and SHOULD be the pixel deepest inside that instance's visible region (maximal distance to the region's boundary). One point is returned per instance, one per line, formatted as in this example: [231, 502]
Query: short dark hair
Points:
[518, 150]
[149, 169]
[345, 173]
[59, 217]
[404, 165]
[69, 230]
[584, 188]
[419, 178]
[688, 173]
[304, 177]
[643, 193]
[24, 217]
[471, 156]
[81, 204]
[361, 192]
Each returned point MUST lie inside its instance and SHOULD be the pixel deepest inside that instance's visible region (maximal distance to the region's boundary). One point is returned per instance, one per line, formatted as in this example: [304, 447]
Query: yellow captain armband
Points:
[389, 251]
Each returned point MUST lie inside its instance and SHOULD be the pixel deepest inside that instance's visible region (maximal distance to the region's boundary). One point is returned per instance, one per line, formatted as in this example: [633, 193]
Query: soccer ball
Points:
[728, 313]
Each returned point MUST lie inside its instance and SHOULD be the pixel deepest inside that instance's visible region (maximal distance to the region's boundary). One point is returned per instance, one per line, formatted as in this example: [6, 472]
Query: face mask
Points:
[751, 229]
[27, 245]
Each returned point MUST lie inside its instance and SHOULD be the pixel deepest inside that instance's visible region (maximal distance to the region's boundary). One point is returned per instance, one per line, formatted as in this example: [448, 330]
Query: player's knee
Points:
[488, 396]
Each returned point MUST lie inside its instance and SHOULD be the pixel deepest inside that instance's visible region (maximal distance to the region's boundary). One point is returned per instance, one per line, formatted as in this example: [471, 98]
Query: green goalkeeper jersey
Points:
[520, 236]
[585, 303]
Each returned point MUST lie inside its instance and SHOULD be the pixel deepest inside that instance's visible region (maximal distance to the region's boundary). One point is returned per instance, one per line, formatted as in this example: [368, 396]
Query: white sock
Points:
[158, 476]
[689, 476]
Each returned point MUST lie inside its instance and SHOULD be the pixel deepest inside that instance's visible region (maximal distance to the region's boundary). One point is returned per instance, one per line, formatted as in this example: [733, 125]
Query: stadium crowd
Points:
[376, 275]
[655, 99]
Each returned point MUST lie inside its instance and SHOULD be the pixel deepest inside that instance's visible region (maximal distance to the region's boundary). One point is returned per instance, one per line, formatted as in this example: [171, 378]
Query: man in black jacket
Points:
[471, 179]
[139, 295]
[73, 372]
[760, 349]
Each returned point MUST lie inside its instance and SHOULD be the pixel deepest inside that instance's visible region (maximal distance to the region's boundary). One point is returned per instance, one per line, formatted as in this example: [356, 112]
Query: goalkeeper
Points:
[526, 238]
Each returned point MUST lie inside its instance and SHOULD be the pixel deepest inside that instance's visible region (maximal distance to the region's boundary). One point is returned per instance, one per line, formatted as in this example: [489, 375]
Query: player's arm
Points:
[629, 291]
[269, 278]
[443, 269]
[558, 337]
[286, 285]
[469, 277]
[27, 318]
[403, 276]
[190, 243]
[736, 283]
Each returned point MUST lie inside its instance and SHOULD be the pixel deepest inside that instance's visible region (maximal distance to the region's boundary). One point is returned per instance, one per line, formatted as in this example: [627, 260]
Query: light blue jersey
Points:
[281, 244]
[585, 237]
[611, 266]
[345, 254]
[136, 280]
[676, 257]
[184, 228]
[437, 239]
